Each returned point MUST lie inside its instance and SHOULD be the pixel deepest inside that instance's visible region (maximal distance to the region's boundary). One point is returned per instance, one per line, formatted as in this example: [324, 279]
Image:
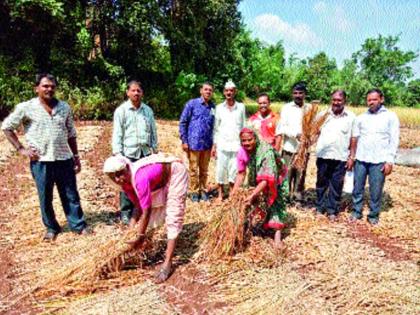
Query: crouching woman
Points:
[267, 174]
[157, 185]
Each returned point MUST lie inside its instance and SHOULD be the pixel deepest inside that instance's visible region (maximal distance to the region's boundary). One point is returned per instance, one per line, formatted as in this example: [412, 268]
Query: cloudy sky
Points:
[337, 27]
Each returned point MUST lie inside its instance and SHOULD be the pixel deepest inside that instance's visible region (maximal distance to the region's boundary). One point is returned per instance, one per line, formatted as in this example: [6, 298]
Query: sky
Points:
[338, 28]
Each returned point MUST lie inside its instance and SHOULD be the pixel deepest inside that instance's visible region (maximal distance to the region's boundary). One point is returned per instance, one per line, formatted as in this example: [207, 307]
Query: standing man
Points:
[333, 155]
[264, 121]
[376, 137]
[230, 119]
[134, 135]
[52, 151]
[196, 132]
[289, 131]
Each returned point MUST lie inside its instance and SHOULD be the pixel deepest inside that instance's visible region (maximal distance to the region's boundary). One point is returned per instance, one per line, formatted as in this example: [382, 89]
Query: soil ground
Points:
[327, 268]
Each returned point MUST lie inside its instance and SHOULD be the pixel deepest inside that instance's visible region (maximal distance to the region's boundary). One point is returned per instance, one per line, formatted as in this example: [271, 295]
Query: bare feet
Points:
[278, 243]
[132, 223]
[163, 273]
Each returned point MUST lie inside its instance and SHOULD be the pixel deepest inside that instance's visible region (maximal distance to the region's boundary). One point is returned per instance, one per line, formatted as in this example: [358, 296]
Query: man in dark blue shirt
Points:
[196, 131]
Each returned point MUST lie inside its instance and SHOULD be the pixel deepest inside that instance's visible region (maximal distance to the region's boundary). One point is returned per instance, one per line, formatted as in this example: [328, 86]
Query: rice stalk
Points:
[99, 262]
[226, 233]
[311, 126]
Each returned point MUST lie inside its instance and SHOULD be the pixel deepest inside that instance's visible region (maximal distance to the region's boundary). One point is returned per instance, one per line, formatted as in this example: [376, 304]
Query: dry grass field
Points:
[327, 268]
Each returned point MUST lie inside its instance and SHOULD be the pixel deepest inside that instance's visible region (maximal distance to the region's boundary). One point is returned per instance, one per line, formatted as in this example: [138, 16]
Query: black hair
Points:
[207, 83]
[40, 76]
[381, 94]
[263, 94]
[339, 91]
[300, 86]
[132, 82]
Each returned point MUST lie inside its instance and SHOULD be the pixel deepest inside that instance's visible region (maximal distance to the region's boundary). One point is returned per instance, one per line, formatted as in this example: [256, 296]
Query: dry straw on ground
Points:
[328, 268]
[225, 234]
[101, 259]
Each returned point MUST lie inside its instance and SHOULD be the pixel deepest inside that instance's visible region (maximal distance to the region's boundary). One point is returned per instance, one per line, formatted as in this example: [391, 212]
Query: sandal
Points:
[162, 275]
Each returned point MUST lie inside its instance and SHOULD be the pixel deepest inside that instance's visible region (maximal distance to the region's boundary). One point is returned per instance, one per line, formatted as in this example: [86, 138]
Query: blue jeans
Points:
[330, 176]
[60, 173]
[376, 185]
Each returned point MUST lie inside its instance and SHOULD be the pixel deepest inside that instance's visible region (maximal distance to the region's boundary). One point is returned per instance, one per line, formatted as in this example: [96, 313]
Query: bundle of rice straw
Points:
[311, 126]
[226, 233]
[99, 262]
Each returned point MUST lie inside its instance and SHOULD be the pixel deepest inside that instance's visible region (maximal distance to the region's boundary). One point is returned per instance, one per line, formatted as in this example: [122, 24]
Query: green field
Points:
[409, 117]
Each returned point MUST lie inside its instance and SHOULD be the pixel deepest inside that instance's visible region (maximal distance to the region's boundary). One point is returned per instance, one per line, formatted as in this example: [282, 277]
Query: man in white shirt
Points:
[376, 137]
[289, 131]
[229, 120]
[333, 155]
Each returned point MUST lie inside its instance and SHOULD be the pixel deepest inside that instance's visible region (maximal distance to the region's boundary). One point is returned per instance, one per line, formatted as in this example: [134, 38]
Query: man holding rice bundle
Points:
[157, 185]
[289, 131]
[267, 172]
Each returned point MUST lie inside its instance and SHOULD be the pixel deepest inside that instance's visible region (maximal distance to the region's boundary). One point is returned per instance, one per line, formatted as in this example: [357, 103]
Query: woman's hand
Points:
[138, 242]
[249, 200]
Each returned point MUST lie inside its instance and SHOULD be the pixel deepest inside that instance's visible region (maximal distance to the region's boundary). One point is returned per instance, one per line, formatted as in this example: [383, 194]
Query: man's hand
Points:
[349, 164]
[386, 169]
[185, 147]
[32, 154]
[77, 165]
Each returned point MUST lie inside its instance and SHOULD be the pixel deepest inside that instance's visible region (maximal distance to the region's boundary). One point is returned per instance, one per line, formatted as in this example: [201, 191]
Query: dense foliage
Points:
[94, 47]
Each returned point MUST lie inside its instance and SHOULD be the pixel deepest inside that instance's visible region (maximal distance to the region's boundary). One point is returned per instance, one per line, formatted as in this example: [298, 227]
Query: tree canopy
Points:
[94, 47]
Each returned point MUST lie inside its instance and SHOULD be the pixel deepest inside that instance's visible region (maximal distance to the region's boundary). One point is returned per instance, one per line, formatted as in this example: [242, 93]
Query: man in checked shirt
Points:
[134, 136]
[52, 151]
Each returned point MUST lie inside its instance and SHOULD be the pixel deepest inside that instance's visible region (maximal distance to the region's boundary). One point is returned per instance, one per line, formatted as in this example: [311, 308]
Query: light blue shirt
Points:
[377, 136]
[134, 131]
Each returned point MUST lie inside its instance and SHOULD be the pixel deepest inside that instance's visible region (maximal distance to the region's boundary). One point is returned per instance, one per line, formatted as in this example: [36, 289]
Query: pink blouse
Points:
[147, 179]
[242, 160]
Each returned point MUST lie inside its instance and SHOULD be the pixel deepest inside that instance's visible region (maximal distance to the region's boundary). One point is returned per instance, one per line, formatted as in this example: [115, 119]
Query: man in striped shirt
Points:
[52, 150]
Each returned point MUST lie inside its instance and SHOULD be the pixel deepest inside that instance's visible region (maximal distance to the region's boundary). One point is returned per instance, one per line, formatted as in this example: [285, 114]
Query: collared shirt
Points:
[290, 125]
[334, 140]
[196, 124]
[377, 136]
[228, 125]
[134, 131]
[265, 126]
[45, 133]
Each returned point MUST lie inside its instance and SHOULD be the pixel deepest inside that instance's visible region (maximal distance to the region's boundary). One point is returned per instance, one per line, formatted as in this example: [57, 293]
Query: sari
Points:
[265, 163]
[265, 126]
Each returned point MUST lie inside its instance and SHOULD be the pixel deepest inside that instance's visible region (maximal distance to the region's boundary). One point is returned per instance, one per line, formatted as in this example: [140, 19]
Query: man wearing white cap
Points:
[230, 119]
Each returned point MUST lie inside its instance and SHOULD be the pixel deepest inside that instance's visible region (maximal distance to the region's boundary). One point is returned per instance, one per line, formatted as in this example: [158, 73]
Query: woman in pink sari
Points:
[157, 185]
[264, 121]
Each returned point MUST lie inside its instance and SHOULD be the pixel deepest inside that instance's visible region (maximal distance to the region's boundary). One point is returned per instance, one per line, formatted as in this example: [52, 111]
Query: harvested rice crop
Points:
[100, 261]
[311, 126]
[225, 234]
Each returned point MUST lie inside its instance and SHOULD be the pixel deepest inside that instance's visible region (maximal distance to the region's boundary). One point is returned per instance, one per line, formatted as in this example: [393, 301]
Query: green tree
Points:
[386, 66]
[320, 76]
